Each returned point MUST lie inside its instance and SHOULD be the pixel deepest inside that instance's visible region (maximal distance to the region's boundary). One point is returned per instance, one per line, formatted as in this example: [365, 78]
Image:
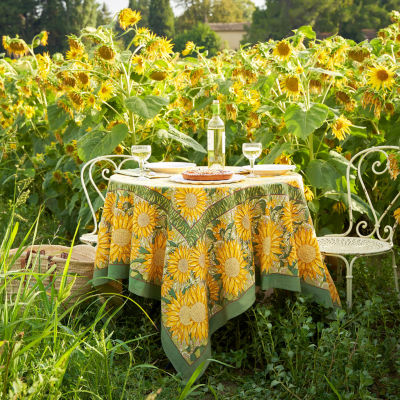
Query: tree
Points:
[280, 17]
[201, 35]
[232, 10]
[213, 11]
[104, 16]
[161, 18]
[19, 17]
[346, 17]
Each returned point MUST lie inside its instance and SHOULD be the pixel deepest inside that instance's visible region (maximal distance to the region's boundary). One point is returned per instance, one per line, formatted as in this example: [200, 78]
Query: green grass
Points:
[284, 347]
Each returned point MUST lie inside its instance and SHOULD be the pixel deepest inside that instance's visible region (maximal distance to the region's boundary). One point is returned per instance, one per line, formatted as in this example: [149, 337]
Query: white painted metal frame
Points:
[379, 240]
[91, 238]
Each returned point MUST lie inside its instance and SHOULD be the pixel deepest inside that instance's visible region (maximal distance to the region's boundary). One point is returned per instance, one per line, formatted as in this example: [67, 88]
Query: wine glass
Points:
[252, 151]
[140, 154]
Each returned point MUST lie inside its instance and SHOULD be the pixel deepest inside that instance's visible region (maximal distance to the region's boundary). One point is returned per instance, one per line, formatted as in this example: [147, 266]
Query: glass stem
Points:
[141, 167]
[252, 166]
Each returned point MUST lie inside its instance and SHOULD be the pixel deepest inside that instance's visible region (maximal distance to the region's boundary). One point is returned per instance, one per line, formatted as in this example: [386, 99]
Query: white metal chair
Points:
[379, 240]
[87, 169]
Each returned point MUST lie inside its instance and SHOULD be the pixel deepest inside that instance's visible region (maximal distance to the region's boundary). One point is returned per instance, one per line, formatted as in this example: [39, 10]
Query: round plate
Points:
[180, 179]
[170, 167]
[271, 169]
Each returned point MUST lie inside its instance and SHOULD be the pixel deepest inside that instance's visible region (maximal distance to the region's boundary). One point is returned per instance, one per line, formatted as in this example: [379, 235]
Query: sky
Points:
[116, 5]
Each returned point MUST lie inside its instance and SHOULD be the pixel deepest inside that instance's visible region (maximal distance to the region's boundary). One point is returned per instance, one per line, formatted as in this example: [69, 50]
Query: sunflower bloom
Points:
[396, 215]
[188, 48]
[282, 50]
[139, 61]
[308, 255]
[291, 86]
[106, 53]
[127, 17]
[44, 38]
[308, 193]
[381, 77]
[393, 166]
[341, 127]
[15, 46]
[106, 91]
[232, 267]
[268, 244]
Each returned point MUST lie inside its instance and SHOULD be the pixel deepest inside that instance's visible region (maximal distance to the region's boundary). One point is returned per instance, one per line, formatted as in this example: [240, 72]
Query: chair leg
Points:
[396, 281]
[349, 282]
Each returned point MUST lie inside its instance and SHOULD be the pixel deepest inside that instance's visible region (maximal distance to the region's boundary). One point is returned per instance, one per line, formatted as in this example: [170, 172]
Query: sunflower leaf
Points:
[303, 123]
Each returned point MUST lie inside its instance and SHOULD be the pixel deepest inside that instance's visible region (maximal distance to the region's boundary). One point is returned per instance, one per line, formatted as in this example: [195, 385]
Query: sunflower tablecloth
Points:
[201, 250]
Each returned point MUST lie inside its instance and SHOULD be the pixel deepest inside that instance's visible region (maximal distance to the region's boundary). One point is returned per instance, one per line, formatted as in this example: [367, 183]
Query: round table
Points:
[202, 249]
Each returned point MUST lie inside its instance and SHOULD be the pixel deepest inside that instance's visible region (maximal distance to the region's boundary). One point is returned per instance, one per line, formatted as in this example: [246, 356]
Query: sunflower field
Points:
[313, 103]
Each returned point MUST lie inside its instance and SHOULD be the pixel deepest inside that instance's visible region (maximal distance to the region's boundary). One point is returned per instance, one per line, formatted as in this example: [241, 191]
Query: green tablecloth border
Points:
[230, 310]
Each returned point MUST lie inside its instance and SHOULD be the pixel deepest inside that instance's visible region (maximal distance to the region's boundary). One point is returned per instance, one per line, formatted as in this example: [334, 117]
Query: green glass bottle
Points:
[216, 139]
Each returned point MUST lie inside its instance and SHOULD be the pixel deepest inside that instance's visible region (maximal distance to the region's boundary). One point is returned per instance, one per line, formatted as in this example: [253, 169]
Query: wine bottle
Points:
[216, 139]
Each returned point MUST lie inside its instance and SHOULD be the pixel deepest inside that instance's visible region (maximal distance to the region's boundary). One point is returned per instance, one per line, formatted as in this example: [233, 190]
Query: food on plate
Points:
[207, 175]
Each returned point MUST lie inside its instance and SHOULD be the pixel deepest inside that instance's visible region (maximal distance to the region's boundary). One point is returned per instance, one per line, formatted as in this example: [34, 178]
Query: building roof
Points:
[228, 26]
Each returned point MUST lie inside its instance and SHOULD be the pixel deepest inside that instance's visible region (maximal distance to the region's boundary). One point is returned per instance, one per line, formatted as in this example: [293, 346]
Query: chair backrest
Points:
[114, 162]
[378, 166]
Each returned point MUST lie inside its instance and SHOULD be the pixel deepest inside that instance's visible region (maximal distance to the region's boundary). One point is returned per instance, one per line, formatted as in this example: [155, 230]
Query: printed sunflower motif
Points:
[197, 298]
[268, 244]
[231, 267]
[135, 244]
[121, 238]
[219, 230]
[381, 77]
[199, 259]
[178, 319]
[308, 255]
[125, 202]
[291, 213]
[155, 259]
[180, 264]
[191, 202]
[243, 219]
[144, 219]
[109, 203]
[292, 257]
[332, 288]
[187, 315]
[103, 246]
[213, 288]
[166, 286]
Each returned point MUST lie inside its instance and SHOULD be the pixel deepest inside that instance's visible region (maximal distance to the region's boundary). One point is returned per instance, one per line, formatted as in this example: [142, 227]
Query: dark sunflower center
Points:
[283, 49]
[382, 75]
[292, 84]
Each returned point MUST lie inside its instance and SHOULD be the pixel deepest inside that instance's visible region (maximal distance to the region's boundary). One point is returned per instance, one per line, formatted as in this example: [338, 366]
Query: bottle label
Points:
[210, 140]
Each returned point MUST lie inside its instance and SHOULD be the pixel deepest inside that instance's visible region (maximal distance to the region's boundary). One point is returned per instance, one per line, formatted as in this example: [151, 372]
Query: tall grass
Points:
[285, 348]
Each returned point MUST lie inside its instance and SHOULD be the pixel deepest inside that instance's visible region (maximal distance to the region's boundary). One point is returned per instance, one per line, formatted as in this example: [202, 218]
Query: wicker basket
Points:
[40, 258]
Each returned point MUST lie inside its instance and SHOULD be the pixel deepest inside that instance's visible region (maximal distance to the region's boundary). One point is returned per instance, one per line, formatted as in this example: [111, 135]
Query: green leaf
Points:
[321, 174]
[99, 143]
[223, 86]
[276, 151]
[306, 31]
[325, 71]
[146, 107]
[302, 123]
[180, 137]
[57, 116]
